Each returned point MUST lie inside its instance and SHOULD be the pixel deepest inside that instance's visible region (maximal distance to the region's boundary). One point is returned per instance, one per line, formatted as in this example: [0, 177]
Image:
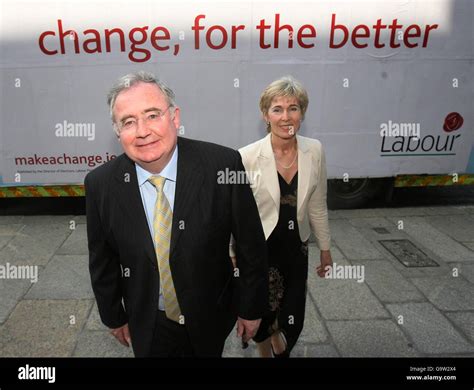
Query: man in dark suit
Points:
[158, 226]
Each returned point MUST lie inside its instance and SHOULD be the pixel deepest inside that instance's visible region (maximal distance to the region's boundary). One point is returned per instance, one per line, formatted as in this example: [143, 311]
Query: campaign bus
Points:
[390, 84]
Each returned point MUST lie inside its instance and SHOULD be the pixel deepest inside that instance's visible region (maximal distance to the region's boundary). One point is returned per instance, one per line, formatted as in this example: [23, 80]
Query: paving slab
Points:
[429, 330]
[405, 211]
[65, 277]
[447, 210]
[11, 219]
[302, 350]
[343, 299]
[80, 219]
[388, 284]
[377, 229]
[447, 293]
[2, 339]
[11, 292]
[375, 222]
[373, 338]
[76, 243]
[466, 271]
[43, 328]
[351, 243]
[464, 208]
[35, 244]
[314, 252]
[94, 322]
[379, 212]
[459, 227]
[7, 232]
[47, 219]
[100, 344]
[464, 321]
[313, 328]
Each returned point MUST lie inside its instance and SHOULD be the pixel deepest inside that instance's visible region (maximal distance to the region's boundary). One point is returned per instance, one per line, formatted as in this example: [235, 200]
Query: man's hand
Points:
[122, 334]
[326, 262]
[247, 328]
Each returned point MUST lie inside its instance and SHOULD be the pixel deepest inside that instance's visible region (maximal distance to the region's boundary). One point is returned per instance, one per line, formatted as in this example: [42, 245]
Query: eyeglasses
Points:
[150, 118]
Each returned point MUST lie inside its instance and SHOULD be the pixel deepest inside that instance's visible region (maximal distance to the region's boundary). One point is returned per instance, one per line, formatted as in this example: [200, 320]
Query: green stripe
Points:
[41, 191]
[432, 180]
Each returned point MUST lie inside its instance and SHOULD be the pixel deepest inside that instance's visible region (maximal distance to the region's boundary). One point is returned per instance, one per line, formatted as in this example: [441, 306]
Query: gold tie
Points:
[162, 222]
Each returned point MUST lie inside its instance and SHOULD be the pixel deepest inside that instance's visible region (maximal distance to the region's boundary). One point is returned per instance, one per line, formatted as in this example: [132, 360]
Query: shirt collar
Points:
[168, 172]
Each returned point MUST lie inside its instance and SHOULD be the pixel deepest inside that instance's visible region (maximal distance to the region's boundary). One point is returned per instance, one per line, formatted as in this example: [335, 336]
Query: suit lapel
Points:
[128, 195]
[188, 183]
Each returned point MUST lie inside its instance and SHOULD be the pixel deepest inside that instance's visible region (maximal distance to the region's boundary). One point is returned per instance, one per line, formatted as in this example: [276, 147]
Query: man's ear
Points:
[177, 117]
[116, 131]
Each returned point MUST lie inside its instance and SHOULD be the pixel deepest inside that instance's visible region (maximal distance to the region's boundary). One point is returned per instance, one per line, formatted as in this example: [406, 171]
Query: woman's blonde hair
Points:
[286, 86]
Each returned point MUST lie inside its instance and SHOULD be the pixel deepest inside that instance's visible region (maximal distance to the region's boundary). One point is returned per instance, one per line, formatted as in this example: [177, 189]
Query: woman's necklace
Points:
[280, 164]
[289, 166]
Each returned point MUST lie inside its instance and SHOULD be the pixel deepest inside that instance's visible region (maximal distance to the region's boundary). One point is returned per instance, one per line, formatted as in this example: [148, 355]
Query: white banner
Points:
[390, 82]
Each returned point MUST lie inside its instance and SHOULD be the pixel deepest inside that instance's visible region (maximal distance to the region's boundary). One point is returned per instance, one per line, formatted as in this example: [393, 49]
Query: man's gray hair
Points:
[131, 79]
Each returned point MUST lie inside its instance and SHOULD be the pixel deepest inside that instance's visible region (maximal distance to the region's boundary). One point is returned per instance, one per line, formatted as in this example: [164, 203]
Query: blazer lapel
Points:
[304, 171]
[267, 165]
[188, 183]
[128, 195]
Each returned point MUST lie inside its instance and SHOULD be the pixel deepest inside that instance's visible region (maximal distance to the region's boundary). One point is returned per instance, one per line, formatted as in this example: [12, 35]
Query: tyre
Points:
[357, 193]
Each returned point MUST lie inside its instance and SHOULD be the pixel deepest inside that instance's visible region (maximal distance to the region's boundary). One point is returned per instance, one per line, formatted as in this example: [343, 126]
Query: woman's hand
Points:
[326, 261]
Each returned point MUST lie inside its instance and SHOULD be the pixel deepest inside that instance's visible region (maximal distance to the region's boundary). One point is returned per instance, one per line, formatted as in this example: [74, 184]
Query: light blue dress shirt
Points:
[148, 194]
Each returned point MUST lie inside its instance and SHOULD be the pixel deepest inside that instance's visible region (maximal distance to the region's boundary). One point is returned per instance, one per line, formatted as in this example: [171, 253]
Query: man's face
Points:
[146, 137]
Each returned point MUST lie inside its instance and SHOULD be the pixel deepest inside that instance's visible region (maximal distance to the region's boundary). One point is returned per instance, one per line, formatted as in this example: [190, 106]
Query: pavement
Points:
[388, 310]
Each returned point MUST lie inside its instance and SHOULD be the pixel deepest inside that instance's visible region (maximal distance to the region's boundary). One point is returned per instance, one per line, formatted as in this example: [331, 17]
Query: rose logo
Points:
[453, 122]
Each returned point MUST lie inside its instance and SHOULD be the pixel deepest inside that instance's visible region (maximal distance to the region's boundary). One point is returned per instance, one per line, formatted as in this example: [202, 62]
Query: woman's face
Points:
[284, 116]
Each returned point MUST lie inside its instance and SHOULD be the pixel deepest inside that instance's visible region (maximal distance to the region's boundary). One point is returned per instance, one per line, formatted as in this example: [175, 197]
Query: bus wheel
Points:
[357, 192]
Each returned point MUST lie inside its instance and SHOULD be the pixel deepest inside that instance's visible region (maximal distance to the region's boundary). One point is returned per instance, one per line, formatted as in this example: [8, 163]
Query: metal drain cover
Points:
[381, 230]
[408, 254]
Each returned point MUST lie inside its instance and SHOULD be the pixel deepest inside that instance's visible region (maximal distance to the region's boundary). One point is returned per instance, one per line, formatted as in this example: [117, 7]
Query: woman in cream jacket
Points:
[288, 179]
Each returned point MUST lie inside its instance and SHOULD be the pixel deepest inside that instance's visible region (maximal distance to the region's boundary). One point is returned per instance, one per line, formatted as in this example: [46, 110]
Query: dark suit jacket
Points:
[205, 214]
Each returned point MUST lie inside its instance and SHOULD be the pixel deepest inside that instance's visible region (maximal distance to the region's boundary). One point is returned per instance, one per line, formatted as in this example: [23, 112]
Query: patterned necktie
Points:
[162, 222]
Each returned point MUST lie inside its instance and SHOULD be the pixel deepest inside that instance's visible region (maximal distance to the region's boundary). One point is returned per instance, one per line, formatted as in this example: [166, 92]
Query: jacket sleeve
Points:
[317, 207]
[104, 265]
[250, 249]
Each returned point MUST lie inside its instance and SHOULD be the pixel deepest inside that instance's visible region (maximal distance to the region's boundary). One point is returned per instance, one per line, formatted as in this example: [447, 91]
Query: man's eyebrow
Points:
[126, 117]
[143, 112]
[151, 109]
